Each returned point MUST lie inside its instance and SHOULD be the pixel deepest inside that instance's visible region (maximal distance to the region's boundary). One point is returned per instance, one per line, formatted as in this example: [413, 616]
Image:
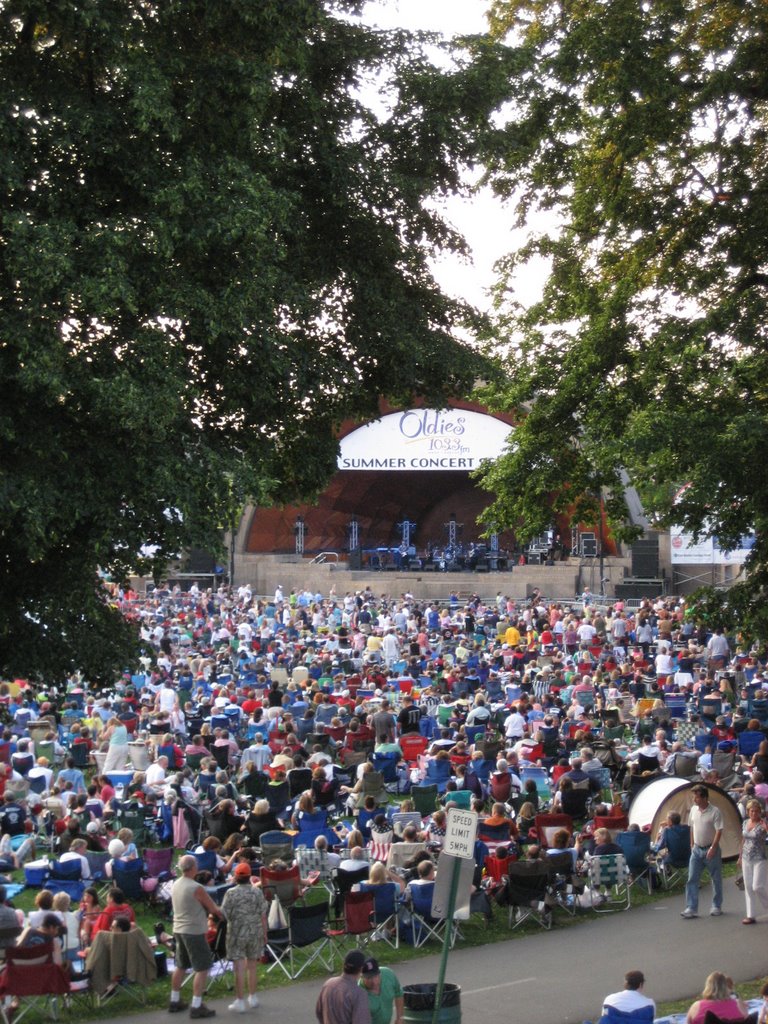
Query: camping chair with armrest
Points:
[158, 865]
[413, 745]
[278, 796]
[254, 785]
[563, 886]
[309, 941]
[310, 826]
[345, 881]
[723, 764]
[387, 900]
[207, 861]
[79, 754]
[32, 977]
[319, 739]
[194, 761]
[615, 822]
[685, 765]
[758, 708]
[673, 865]
[548, 824]
[461, 798]
[527, 889]
[541, 779]
[66, 876]
[379, 845]
[401, 853]
[299, 780]
[221, 753]
[401, 819]
[373, 785]
[128, 817]
[749, 741]
[97, 862]
[364, 819]
[275, 845]
[386, 765]
[424, 799]
[284, 883]
[357, 920]
[712, 1018]
[127, 875]
[609, 883]
[636, 847]
[315, 867]
[575, 803]
[424, 926]
[121, 962]
[494, 836]
[500, 786]
[438, 774]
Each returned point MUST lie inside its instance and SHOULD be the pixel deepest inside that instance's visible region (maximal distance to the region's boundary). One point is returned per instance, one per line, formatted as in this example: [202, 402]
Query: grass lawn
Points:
[476, 932]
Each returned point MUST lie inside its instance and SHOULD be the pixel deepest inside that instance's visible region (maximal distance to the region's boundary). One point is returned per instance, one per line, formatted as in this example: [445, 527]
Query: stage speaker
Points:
[200, 561]
[355, 561]
[534, 558]
[549, 562]
[645, 557]
[588, 547]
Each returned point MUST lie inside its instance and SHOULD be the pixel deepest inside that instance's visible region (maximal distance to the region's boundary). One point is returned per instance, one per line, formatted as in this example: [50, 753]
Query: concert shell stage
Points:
[413, 464]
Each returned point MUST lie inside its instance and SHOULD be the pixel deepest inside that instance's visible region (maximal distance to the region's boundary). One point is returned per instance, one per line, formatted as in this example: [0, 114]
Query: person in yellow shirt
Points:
[512, 636]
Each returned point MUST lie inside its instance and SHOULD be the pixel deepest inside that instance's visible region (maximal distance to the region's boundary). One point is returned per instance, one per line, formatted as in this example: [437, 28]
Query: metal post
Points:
[447, 940]
[493, 560]
[354, 534]
[299, 531]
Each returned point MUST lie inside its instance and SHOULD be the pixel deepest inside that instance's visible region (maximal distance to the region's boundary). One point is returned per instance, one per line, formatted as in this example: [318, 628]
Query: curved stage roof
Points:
[410, 464]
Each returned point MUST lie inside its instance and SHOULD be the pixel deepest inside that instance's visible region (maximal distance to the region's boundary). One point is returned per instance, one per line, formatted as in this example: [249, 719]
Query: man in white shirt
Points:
[706, 823]
[258, 752]
[514, 726]
[631, 997]
[156, 774]
[586, 632]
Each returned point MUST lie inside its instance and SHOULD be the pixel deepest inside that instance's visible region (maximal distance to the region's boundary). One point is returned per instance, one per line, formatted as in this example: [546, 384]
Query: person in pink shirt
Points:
[719, 998]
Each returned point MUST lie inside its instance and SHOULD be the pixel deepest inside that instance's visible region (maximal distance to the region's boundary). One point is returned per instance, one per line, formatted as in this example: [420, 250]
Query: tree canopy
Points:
[636, 133]
[213, 248]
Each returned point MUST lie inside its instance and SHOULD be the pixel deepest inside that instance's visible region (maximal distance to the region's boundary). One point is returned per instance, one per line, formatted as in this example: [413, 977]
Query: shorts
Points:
[245, 949]
[193, 951]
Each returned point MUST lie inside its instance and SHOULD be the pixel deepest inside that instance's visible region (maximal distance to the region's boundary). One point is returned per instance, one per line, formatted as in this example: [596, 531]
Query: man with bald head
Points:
[191, 907]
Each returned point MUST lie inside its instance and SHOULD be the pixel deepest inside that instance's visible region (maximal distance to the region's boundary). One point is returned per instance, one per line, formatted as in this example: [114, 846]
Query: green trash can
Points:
[419, 1004]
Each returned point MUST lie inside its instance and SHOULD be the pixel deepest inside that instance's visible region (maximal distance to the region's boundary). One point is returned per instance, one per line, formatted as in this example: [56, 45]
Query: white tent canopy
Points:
[654, 802]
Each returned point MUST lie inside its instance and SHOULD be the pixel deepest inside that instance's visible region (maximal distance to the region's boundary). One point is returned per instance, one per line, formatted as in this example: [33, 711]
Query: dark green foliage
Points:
[211, 252]
[642, 128]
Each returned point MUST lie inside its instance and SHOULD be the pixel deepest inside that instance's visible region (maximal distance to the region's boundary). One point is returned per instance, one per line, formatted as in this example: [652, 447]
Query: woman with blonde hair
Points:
[116, 736]
[718, 998]
[752, 859]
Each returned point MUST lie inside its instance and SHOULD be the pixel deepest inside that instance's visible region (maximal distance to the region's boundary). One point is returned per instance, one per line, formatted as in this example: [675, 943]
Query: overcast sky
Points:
[483, 220]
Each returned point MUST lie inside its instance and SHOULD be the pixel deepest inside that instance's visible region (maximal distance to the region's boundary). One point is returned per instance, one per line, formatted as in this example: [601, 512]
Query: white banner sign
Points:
[707, 552]
[425, 439]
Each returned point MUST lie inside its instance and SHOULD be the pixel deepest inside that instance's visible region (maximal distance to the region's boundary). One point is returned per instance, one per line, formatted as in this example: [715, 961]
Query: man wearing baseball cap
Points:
[384, 992]
[341, 999]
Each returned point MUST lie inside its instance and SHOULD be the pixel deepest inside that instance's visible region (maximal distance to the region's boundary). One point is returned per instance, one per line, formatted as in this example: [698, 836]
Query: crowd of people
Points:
[319, 714]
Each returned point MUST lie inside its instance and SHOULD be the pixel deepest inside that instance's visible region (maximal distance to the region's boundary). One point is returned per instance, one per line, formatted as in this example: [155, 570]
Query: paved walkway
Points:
[560, 977]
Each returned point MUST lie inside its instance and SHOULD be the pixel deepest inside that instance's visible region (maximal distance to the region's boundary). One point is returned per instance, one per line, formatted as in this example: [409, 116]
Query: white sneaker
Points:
[689, 912]
[715, 912]
[238, 1006]
[253, 1001]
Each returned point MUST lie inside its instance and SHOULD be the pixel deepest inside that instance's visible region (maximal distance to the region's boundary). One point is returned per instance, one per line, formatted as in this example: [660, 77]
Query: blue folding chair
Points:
[636, 847]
